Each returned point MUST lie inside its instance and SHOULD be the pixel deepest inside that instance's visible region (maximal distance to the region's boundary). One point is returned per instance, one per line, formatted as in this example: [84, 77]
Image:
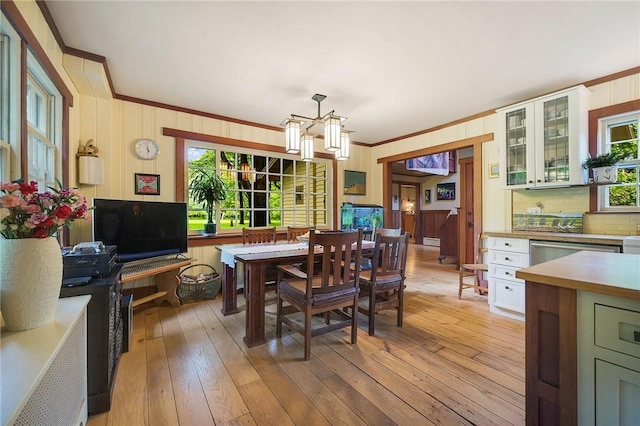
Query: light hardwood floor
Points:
[452, 363]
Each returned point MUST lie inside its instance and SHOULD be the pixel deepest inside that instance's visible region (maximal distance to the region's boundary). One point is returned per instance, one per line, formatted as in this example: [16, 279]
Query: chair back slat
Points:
[389, 256]
[338, 249]
[259, 235]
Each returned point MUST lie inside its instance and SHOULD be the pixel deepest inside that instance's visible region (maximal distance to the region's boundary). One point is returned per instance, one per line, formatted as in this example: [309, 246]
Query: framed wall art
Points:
[355, 183]
[446, 191]
[427, 196]
[146, 184]
[494, 170]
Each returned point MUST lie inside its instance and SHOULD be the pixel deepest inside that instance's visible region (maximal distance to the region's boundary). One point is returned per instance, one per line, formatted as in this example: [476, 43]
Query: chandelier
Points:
[300, 132]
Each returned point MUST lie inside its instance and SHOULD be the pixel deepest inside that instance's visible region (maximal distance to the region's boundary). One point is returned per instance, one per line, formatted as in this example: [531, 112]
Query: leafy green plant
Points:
[207, 188]
[603, 160]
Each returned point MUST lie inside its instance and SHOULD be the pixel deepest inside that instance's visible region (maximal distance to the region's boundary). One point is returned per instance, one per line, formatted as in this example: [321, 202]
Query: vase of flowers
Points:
[30, 257]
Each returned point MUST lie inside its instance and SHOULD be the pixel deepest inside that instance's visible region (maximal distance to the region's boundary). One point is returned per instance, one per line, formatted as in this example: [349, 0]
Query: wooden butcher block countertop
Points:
[613, 274]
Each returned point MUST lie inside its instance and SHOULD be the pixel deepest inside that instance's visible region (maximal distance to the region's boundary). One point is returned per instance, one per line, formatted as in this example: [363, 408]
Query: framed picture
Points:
[446, 191]
[146, 184]
[355, 183]
[494, 170]
[427, 196]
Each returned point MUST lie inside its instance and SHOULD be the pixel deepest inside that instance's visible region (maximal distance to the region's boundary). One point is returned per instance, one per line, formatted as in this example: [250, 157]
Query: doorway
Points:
[475, 186]
[409, 209]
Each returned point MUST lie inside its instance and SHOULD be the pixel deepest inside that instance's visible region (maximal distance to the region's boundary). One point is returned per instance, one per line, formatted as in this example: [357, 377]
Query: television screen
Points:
[140, 229]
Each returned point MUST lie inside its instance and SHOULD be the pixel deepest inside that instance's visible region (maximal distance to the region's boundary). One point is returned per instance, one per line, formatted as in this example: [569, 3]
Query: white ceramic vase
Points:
[30, 281]
[607, 174]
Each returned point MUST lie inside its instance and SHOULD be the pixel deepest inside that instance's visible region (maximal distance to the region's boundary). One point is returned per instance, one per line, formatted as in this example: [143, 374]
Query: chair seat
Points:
[475, 267]
[296, 290]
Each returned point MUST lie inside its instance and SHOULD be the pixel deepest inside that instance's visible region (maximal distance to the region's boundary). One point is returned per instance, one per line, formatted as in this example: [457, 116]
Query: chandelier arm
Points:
[302, 116]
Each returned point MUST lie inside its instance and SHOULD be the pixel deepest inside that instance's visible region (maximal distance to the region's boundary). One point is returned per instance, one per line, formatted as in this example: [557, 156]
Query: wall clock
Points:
[147, 149]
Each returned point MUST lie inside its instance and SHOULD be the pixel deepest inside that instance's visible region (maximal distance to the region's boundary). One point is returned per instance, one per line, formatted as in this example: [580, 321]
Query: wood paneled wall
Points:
[431, 221]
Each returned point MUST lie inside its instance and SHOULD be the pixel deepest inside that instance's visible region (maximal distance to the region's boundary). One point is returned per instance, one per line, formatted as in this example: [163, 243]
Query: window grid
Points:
[620, 134]
[265, 190]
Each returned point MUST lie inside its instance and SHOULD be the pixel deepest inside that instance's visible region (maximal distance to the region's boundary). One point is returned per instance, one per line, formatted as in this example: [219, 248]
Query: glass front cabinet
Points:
[544, 141]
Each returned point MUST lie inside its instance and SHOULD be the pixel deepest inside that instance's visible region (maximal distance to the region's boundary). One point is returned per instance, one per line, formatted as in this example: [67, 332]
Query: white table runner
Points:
[227, 255]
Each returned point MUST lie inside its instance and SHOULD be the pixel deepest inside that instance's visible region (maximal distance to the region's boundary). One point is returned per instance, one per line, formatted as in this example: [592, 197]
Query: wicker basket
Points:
[200, 286]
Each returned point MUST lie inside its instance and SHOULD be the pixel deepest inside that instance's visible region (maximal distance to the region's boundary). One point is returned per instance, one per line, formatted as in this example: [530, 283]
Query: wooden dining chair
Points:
[257, 235]
[383, 284]
[293, 232]
[261, 235]
[330, 290]
[476, 270]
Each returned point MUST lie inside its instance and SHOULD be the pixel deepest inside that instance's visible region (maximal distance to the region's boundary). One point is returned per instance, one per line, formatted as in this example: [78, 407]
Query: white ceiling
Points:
[392, 68]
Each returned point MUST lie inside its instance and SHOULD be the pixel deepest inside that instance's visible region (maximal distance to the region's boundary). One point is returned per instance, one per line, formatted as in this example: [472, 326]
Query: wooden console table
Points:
[164, 272]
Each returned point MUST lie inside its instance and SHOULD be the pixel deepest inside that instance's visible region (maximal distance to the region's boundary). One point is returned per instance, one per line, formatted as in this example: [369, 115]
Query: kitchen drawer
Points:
[509, 244]
[500, 257]
[509, 295]
[617, 329]
[504, 272]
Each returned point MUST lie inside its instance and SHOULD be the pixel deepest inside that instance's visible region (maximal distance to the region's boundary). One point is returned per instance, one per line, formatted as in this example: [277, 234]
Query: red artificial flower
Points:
[79, 212]
[28, 188]
[63, 211]
[47, 223]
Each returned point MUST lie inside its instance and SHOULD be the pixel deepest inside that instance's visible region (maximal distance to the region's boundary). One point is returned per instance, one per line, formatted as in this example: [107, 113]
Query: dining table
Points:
[256, 259]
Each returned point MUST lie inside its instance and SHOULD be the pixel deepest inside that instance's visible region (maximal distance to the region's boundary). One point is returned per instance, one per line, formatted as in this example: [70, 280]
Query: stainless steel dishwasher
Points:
[543, 251]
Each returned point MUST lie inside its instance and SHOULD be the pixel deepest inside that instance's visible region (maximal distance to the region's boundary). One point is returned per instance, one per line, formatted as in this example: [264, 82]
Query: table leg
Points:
[254, 293]
[229, 291]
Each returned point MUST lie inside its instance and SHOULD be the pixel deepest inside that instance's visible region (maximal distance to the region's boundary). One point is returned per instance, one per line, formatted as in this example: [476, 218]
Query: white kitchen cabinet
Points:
[506, 292]
[608, 360]
[544, 141]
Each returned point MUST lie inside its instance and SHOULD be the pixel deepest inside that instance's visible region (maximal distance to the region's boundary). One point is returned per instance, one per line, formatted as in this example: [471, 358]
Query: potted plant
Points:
[208, 188]
[604, 166]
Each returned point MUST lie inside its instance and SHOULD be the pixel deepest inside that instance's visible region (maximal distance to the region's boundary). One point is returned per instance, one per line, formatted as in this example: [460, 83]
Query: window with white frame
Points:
[263, 189]
[44, 126]
[619, 134]
[9, 98]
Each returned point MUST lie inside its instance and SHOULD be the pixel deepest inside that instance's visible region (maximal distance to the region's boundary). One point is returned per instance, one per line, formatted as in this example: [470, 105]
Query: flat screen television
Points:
[140, 229]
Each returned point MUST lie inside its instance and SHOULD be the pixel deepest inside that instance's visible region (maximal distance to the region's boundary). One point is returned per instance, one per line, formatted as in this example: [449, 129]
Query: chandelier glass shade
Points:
[292, 134]
[306, 148]
[345, 141]
[300, 132]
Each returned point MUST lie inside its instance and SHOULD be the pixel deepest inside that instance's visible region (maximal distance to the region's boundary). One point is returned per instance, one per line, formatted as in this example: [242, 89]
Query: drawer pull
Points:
[636, 336]
[507, 273]
[507, 244]
[506, 258]
[506, 287]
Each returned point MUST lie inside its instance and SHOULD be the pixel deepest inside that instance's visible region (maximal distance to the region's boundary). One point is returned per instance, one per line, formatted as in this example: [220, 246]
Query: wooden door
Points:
[466, 213]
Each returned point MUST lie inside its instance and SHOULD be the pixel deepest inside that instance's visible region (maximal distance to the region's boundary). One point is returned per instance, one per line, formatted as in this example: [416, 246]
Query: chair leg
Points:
[307, 334]
[354, 321]
[278, 317]
[461, 276]
[372, 310]
[400, 304]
